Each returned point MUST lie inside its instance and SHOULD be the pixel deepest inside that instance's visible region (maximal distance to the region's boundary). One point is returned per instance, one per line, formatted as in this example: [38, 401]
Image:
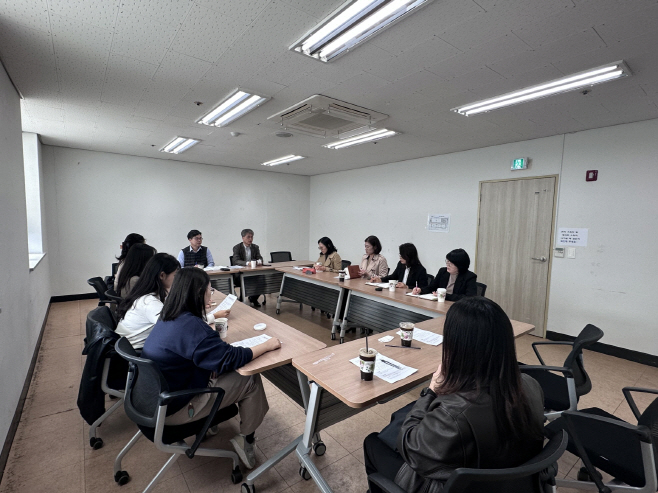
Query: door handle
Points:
[541, 259]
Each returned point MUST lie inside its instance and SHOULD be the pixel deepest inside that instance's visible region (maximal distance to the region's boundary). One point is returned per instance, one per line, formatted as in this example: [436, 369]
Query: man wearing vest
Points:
[246, 251]
[195, 254]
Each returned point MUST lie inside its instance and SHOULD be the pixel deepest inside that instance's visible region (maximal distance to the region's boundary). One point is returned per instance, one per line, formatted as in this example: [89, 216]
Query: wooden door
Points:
[514, 246]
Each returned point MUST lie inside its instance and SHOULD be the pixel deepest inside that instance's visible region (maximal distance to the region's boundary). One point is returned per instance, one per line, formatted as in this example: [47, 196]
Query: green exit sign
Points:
[520, 163]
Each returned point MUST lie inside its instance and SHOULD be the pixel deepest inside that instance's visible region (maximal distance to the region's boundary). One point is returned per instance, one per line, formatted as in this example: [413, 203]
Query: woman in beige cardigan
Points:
[372, 263]
[329, 260]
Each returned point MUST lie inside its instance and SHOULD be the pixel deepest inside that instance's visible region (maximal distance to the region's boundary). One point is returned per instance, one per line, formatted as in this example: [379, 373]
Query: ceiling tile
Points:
[143, 38]
[32, 14]
[80, 41]
[177, 68]
[243, 11]
[102, 14]
[629, 26]
[572, 45]
[24, 43]
[163, 11]
[41, 112]
[287, 68]
[32, 80]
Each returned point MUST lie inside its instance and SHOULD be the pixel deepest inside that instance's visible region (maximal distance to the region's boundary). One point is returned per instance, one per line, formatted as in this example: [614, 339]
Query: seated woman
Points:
[409, 272]
[191, 355]
[131, 239]
[478, 412]
[455, 277]
[132, 268]
[372, 263]
[329, 260]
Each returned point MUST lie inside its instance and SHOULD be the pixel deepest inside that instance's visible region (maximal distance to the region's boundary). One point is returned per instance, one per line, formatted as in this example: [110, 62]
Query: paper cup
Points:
[221, 326]
[253, 264]
[441, 294]
[367, 363]
[391, 285]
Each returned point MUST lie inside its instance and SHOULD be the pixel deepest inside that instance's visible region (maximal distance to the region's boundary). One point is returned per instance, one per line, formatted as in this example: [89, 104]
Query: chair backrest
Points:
[280, 257]
[480, 288]
[99, 285]
[100, 315]
[649, 418]
[230, 260]
[587, 337]
[115, 268]
[345, 263]
[111, 294]
[526, 478]
[430, 278]
[143, 388]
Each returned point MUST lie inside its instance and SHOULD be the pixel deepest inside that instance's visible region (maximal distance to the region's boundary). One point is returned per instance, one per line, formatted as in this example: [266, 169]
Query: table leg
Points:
[343, 324]
[242, 296]
[338, 316]
[278, 300]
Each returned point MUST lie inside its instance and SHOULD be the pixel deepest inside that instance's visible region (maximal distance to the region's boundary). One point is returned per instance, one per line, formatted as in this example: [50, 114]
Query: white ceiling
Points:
[123, 76]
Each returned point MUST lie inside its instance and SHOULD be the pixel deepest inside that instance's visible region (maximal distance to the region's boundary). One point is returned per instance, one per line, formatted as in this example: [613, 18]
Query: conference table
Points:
[262, 279]
[355, 303]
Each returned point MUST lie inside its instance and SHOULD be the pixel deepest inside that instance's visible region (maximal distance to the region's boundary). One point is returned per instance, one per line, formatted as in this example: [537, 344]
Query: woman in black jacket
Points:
[455, 277]
[409, 272]
[478, 412]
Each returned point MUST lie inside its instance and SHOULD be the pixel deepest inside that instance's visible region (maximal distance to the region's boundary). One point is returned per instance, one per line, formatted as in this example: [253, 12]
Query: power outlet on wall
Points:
[559, 253]
[571, 252]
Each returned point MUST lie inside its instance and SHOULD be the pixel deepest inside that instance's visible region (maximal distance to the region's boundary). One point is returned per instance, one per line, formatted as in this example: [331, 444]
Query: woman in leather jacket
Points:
[478, 412]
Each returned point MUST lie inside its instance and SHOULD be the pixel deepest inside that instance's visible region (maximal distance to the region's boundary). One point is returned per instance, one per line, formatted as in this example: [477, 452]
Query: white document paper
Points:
[386, 339]
[388, 369]
[378, 284]
[226, 304]
[427, 337]
[238, 267]
[216, 267]
[429, 296]
[298, 268]
[252, 341]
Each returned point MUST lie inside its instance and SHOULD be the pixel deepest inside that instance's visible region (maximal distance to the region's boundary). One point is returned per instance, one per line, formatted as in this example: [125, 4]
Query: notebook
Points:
[353, 271]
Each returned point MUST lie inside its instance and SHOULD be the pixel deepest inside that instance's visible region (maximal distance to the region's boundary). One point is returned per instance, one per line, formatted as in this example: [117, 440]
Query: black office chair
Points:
[480, 289]
[280, 257]
[115, 268]
[99, 285]
[430, 278]
[534, 476]
[230, 260]
[146, 400]
[561, 393]
[114, 369]
[344, 264]
[111, 295]
[602, 441]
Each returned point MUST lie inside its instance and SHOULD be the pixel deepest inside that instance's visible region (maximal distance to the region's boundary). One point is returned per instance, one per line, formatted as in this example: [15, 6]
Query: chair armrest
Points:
[631, 402]
[167, 397]
[563, 369]
[545, 343]
[385, 484]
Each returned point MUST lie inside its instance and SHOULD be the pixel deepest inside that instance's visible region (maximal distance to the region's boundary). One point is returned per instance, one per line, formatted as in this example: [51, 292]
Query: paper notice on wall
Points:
[438, 223]
[572, 236]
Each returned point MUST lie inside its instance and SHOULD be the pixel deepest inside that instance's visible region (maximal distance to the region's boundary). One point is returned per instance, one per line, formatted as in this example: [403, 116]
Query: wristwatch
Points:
[426, 391]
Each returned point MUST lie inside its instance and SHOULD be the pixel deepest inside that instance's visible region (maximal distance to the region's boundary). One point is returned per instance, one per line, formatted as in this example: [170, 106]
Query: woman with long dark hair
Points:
[132, 268]
[478, 412]
[455, 277]
[409, 272]
[131, 240]
[329, 260]
[191, 355]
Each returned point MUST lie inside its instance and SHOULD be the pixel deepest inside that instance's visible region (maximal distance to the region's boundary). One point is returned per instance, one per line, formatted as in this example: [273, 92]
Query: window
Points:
[32, 167]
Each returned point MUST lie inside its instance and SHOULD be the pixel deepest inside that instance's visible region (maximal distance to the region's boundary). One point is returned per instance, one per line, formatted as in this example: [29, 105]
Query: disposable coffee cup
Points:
[441, 294]
[367, 363]
[253, 264]
[221, 326]
[341, 277]
[391, 285]
[406, 333]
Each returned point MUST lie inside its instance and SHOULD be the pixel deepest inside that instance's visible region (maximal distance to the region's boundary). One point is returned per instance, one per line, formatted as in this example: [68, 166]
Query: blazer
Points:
[378, 266]
[240, 254]
[332, 263]
[464, 284]
[416, 274]
[443, 433]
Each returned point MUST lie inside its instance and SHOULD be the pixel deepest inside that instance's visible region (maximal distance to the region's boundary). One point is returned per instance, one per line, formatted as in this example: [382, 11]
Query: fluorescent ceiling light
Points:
[233, 107]
[282, 160]
[379, 134]
[564, 84]
[352, 23]
[179, 144]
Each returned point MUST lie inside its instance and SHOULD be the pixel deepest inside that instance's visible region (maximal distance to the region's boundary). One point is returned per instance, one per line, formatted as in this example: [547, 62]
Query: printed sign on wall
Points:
[572, 236]
[438, 223]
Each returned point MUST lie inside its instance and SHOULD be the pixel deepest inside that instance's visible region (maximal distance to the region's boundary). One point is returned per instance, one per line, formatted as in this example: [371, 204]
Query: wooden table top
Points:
[359, 285]
[241, 323]
[342, 378]
[271, 266]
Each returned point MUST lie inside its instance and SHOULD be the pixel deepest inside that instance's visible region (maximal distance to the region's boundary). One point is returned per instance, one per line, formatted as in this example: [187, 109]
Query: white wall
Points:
[98, 198]
[610, 281]
[24, 295]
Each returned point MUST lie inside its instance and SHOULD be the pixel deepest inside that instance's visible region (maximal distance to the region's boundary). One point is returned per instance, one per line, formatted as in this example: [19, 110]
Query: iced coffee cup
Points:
[341, 277]
[441, 295]
[221, 326]
[367, 363]
[406, 333]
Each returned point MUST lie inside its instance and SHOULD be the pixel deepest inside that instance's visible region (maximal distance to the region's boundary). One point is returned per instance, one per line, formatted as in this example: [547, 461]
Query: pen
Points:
[405, 347]
[391, 364]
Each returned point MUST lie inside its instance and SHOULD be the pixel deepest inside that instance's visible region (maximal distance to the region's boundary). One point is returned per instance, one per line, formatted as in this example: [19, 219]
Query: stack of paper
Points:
[252, 341]
[378, 284]
[430, 296]
[226, 304]
[388, 369]
[216, 267]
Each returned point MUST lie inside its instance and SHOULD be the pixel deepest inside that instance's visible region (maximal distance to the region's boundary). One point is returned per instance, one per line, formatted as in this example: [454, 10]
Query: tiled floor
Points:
[51, 449]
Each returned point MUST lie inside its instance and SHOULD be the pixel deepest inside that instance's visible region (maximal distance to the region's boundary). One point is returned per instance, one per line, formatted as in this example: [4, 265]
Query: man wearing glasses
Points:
[195, 255]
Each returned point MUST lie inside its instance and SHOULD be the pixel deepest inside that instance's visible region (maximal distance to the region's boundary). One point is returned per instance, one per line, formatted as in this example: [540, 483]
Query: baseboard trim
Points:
[599, 347]
[11, 433]
[73, 297]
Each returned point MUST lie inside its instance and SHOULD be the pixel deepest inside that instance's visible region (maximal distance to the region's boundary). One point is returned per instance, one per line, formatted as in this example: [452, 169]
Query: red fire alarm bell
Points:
[591, 175]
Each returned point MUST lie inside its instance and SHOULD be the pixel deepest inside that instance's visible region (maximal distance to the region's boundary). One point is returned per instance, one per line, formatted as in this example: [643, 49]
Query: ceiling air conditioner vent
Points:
[322, 116]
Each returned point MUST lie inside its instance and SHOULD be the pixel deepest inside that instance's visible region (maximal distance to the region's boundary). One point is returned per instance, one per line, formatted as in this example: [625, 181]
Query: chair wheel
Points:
[328, 315]
[342, 340]
[96, 443]
[312, 308]
[264, 301]
[319, 448]
[584, 475]
[303, 472]
[245, 488]
[301, 306]
[333, 336]
[278, 311]
[236, 475]
[121, 477]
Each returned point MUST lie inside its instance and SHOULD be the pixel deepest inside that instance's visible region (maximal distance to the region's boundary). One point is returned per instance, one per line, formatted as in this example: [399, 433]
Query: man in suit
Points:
[246, 251]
